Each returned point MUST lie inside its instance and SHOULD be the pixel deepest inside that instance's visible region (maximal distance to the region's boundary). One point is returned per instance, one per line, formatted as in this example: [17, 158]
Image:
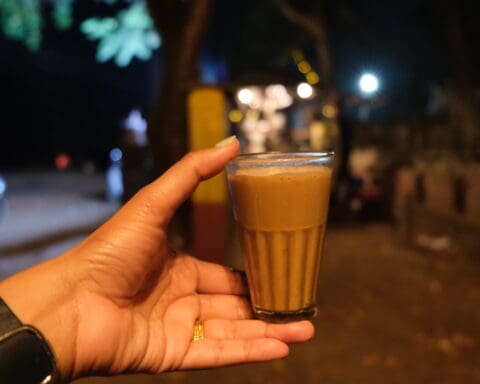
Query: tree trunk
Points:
[464, 89]
[182, 25]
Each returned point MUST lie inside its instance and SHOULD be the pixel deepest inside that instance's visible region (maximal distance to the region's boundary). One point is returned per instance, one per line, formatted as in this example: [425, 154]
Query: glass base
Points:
[285, 316]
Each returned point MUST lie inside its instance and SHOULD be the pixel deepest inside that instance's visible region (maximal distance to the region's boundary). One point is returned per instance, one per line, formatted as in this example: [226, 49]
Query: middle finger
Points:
[229, 307]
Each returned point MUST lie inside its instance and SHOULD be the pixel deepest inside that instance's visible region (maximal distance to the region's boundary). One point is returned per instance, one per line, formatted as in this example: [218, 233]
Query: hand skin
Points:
[119, 302]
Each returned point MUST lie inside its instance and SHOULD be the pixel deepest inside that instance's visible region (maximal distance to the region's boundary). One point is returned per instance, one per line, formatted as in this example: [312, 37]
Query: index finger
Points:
[168, 192]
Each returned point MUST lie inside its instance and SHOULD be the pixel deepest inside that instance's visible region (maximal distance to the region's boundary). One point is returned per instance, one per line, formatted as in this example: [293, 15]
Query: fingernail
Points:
[226, 142]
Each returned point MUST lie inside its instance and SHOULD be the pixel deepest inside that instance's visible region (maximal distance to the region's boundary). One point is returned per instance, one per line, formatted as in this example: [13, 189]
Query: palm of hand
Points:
[147, 301]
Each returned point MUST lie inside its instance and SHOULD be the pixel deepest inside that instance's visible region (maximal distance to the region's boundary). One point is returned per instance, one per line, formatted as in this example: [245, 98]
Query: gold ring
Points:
[198, 331]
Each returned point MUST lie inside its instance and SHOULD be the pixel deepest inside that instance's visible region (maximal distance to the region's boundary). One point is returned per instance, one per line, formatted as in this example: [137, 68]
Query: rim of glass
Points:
[283, 156]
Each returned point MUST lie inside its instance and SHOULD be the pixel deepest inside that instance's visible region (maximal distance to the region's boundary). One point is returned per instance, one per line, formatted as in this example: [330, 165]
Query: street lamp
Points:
[245, 95]
[368, 84]
[304, 90]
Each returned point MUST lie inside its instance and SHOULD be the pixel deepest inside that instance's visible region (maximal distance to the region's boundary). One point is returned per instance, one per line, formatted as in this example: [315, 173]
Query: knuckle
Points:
[266, 329]
[191, 161]
[207, 306]
[218, 352]
[189, 158]
[231, 330]
[247, 348]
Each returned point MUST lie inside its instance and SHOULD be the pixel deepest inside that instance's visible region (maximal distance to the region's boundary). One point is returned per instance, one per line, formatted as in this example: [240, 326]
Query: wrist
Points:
[44, 296]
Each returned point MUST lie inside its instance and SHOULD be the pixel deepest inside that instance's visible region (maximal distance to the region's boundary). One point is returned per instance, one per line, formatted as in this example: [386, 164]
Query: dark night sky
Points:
[398, 40]
[62, 100]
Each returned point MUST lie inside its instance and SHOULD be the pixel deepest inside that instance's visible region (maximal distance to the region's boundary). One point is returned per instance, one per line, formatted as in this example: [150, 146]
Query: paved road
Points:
[47, 212]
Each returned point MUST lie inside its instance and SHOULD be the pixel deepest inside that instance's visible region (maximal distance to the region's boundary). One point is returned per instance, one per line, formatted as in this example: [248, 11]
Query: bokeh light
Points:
[312, 78]
[235, 116]
[329, 111]
[304, 90]
[368, 83]
[3, 187]
[116, 154]
[245, 96]
[62, 161]
[304, 66]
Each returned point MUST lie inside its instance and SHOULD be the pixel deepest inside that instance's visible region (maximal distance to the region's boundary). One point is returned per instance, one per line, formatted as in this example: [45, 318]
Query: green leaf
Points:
[127, 36]
[153, 39]
[21, 20]
[62, 14]
[142, 50]
[126, 52]
[109, 46]
[96, 28]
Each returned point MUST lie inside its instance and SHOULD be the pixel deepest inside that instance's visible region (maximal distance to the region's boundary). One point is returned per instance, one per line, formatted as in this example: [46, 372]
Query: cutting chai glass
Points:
[280, 204]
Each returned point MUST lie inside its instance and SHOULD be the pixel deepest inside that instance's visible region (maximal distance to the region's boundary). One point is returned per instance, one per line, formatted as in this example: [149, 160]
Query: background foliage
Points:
[129, 33]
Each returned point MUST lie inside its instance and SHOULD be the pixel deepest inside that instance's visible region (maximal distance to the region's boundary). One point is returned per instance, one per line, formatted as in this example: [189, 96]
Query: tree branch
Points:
[310, 24]
[353, 23]
[314, 25]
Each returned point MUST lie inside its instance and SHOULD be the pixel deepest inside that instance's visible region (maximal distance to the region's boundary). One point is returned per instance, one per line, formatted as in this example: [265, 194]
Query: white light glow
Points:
[116, 154]
[368, 83]
[245, 96]
[136, 125]
[3, 187]
[304, 90]
[278, 96]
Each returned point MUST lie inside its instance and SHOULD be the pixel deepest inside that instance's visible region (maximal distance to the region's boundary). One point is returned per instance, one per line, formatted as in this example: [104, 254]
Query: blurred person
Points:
[114, 176]
[122, 302]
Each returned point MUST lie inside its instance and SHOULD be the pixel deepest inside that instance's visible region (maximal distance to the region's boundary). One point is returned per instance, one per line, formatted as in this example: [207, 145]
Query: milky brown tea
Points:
[280, 204]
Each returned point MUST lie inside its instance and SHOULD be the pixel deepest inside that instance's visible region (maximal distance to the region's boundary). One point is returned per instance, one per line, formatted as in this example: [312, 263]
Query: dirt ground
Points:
[387, 315]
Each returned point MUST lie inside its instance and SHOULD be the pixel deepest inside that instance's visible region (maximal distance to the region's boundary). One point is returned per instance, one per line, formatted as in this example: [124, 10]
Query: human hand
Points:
[121, 302]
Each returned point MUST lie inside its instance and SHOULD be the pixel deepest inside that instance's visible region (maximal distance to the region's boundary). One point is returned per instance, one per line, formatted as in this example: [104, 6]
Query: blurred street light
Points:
[252, 114]
[62, 161]
[368, 83]
[312, 78]
[304, 67]
[277, 96]
[245, 96]
[3, 187]
[297, 55]
[329, 111]
[304, 90]
[235, 116]
[116, 154]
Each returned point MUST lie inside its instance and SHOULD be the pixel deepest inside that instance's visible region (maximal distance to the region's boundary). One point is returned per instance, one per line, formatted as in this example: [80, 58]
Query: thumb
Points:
[162, 197]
